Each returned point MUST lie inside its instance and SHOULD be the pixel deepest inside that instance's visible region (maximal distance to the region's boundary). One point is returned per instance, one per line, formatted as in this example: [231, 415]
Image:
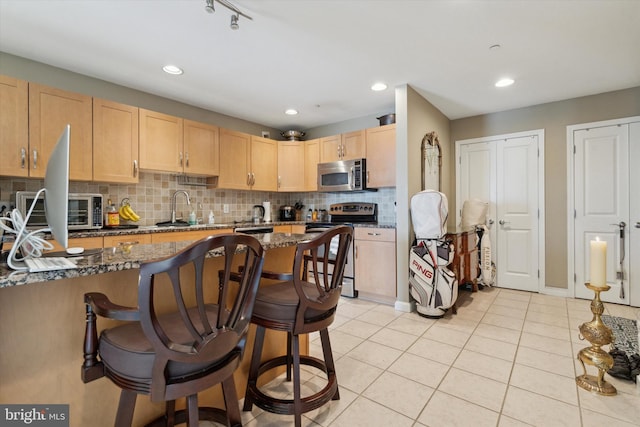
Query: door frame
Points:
[571, 267]
[542, 288]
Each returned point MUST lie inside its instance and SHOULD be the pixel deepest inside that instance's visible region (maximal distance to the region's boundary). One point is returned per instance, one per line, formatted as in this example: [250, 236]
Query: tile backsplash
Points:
[151, 198]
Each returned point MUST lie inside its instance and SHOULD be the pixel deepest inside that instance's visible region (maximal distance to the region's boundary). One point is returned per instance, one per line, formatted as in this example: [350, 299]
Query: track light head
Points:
[209, 6]
[234, 22]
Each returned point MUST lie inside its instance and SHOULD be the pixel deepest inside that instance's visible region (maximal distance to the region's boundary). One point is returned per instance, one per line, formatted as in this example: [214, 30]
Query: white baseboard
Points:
[406, 307]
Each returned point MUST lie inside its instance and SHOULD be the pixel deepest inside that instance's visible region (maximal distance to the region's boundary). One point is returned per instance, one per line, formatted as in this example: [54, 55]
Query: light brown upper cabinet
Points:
[381, 156]
[347, 146]
[264, 164]
[353, 145]
[201, 149]
[291, 165]
[311, 160]
[247, 162]
[50, 110]
[14, 126]
[235, 160]
[161, 137]
[115, 142]
[173, 144]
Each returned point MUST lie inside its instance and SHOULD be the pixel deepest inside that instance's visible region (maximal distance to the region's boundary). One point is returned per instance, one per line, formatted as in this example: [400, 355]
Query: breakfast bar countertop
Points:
[126, 257]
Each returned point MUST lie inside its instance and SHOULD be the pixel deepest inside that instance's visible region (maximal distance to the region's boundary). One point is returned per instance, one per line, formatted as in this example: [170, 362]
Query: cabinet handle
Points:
[344, 151]
[253, 178]
[23, 157]
[356, 252]
[339, 151]
[35, 159]
[637, 224]
[367, 177]
[374, 234]
[187, 158]
[279, 181]
[249, 178]
[180, 156]
[135, 168]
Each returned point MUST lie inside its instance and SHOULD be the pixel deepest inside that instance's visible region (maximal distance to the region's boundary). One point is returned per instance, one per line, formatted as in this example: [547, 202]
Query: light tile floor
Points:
[506, 359]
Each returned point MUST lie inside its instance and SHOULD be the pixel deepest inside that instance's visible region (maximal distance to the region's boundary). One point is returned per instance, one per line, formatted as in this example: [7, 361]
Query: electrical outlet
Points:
[225, 208]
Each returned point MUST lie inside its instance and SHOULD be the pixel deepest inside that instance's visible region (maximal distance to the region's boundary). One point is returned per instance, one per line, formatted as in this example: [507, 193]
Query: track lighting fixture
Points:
[226, 3]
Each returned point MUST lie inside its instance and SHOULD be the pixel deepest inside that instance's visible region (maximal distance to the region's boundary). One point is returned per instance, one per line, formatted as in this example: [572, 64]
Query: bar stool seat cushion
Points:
[126, 350]
[279, 302]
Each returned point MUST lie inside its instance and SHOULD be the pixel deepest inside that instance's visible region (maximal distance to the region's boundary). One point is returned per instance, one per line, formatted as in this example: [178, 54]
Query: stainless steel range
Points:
[347, 214]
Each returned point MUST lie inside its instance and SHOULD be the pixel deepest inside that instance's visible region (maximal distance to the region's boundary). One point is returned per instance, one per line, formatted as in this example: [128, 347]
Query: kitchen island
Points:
[42, 323]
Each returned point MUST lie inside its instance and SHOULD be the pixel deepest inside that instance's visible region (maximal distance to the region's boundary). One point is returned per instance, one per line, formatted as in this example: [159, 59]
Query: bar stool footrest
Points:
[286, 406]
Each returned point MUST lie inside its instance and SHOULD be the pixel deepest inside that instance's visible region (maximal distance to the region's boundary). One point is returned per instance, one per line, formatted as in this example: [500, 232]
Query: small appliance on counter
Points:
[84, 212]
[257, 214]
[287, 213]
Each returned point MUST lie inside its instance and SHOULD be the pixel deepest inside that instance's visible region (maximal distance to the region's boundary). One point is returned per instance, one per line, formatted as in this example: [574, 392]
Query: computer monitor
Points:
[56, 189]
[56, 198]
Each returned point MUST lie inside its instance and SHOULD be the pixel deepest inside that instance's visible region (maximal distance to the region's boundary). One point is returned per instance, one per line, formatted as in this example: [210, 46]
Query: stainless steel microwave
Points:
[85, 210]
[343, 175]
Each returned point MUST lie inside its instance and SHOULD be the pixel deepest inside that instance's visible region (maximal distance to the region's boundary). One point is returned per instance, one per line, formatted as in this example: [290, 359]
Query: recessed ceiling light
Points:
[291, 112]
[504, 82]
[378, 86]
[172, 69]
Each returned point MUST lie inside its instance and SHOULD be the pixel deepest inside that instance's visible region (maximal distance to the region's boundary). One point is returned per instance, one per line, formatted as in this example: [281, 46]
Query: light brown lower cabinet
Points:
[375, 263]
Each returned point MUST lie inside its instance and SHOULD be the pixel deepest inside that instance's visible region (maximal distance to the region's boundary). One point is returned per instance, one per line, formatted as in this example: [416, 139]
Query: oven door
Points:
[348, 285]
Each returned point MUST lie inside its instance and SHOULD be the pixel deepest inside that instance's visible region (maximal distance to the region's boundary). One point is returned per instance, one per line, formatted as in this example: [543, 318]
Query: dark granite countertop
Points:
[127, 257]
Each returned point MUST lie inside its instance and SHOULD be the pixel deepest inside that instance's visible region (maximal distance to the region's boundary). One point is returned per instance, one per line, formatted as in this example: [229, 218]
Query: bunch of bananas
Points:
[127, 213]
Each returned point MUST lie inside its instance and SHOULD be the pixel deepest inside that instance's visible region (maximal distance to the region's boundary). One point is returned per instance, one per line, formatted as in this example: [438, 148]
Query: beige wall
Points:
[416, 116]
[37, 72]
[554, 118]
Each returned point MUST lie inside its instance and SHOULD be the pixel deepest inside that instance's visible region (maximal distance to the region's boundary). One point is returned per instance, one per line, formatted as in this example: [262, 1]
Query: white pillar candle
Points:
[598, 263]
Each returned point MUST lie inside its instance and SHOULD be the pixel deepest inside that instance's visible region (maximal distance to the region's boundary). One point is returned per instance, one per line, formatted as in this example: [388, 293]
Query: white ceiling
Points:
[321, 56]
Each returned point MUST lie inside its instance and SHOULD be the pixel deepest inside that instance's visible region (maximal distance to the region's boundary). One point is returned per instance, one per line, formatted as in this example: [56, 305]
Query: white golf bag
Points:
[431, 284]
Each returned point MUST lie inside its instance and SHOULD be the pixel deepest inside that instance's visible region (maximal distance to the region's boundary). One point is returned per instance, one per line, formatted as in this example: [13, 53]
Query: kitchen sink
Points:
[173, 224]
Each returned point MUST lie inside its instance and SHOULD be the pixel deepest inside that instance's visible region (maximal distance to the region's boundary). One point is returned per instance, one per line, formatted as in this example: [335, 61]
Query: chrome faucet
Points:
[173, 203]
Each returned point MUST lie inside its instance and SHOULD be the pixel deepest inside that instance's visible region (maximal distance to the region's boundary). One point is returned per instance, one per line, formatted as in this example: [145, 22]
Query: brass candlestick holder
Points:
[598, 334]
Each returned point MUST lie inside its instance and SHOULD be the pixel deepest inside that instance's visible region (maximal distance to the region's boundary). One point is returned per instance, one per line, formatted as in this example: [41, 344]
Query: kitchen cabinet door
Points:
[161, 141]
[291, 166]
[381, 156]
[14, 122]
[330, 148]
[50, 110]
[235, 160]
[374, 261]
[353, 145]
[311, 160]
[201, 149]
[115, 142]
[264, 164]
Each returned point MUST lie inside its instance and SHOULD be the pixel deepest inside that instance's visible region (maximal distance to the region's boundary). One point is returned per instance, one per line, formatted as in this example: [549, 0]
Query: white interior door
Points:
[518, 213]
[601, 202]
[506, 172]
[477, 180]
[633, 278]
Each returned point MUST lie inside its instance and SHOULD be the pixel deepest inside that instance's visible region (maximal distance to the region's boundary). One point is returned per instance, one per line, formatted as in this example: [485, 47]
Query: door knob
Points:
[490, 221]
[637, 224]
[503, 222]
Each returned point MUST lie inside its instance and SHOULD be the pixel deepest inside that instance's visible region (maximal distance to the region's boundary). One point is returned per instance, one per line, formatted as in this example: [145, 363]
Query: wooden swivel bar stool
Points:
[305, 303]
[194, 346]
